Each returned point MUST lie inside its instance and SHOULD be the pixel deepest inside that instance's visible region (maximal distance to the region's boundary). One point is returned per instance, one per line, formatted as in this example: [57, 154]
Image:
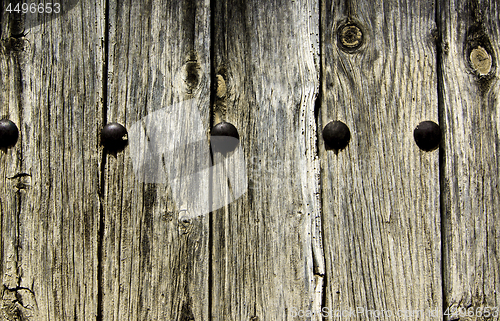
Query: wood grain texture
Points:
[471, 126]
[381, 210]
[267, 255]
[51, 87]
[377, 229]
[155, 257]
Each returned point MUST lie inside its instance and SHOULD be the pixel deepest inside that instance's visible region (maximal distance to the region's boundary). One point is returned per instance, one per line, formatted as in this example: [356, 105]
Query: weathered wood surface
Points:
[471, 127]
[141, 234]
[51, 87]
[155, 256]
[265, 244]
[381, 214]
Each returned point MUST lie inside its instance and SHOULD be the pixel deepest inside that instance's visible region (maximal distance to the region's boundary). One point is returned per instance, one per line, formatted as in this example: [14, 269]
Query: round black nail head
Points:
[336, 135]
[224, 137]
[114, 137]
[427, 135]
[8, 133]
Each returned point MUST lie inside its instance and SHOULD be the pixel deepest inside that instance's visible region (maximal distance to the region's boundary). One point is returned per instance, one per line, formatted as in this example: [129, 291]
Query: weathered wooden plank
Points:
[50, 86]
[155, 242]
[267, 262]
[471, 124]
[381, 210]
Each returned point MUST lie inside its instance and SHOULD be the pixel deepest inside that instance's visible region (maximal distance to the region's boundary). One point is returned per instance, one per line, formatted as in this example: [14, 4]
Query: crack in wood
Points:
[18, 304]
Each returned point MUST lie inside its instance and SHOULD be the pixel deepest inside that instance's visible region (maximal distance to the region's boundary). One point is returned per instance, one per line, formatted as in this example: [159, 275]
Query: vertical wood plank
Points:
[51, 87]
[471, 160]
[155, 247]
[267, 255]
[381, 210]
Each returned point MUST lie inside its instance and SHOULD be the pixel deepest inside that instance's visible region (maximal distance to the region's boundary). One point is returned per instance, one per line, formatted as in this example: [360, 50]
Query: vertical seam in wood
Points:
[317, 107]
[2, 242]
[18, 233]
[20, 159]
[213, 82]
[100, 231]
[100, 236]
[440, 97]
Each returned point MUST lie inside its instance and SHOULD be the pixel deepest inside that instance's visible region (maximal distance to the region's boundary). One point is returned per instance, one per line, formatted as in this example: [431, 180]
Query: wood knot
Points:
[221, 87]
[479, 54]
[184, 222]
[191, 75]
[15, 45]
[350, 36]
[220, 104]
[480, 60]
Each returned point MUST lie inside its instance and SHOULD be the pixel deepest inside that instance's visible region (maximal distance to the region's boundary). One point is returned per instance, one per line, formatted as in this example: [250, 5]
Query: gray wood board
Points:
[155, 246]
[267, 255]
[381, 209]
[51, 87]
[471, 123]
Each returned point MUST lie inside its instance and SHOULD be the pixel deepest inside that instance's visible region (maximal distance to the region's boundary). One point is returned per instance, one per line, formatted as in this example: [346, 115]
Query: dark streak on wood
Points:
[188, 24]
[350, 9]
[186, 313]
[16, 22]
[100, 236]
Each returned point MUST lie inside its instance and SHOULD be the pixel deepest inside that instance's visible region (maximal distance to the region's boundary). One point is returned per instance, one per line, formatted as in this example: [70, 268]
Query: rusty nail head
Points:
[336, 135]
[114, 137]
[427, 135]
[224, 137]
[8, 133]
